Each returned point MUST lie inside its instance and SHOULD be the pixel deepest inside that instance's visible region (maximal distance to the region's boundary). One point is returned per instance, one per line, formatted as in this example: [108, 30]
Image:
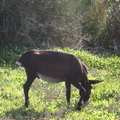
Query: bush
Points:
[39, 22]
[80, 24]
[102, 23]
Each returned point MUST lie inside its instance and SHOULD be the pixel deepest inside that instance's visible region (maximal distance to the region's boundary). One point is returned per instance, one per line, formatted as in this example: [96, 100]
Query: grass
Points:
[48, 101]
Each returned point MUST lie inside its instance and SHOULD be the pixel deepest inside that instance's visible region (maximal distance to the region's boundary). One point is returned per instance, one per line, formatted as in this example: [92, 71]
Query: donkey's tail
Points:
[18, 63]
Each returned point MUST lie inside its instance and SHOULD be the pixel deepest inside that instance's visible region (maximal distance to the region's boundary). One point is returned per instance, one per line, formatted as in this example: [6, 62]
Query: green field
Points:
[48, 101]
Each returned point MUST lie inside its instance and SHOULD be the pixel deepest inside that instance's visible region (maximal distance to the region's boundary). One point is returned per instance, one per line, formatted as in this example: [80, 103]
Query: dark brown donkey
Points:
[54, 66]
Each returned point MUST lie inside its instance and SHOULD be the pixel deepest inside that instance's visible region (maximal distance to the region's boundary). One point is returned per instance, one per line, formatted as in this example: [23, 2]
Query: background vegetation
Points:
[48, 100]
[79, 24]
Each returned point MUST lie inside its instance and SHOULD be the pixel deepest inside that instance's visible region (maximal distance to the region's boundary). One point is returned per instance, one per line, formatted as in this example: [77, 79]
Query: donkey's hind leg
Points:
[26, 86]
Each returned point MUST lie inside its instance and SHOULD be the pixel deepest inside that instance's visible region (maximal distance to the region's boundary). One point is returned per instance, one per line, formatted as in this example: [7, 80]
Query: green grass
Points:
[48, 100]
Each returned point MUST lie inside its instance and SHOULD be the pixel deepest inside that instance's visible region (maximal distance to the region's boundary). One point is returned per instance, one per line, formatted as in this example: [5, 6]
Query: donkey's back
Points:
[53, 64]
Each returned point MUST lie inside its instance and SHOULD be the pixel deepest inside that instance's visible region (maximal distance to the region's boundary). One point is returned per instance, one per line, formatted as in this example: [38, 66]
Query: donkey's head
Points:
[89, 88]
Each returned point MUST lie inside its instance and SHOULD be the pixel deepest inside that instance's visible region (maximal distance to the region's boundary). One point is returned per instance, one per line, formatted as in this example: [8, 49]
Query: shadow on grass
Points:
[25, 114]
[31, 114]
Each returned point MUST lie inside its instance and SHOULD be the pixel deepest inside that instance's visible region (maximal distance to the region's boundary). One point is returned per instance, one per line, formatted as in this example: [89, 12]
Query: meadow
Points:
[48, 101]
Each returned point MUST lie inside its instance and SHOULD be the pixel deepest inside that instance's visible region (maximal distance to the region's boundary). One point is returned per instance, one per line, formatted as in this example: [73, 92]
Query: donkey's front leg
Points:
[83, 93]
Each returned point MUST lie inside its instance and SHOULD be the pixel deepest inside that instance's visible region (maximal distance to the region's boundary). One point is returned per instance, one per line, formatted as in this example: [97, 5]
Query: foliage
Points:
[102, 23]
[39, 22]
[64, 23]
[48, 101]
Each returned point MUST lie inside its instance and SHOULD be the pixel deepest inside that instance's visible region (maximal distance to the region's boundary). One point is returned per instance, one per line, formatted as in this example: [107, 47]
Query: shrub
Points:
[39, 22]
[102, 24]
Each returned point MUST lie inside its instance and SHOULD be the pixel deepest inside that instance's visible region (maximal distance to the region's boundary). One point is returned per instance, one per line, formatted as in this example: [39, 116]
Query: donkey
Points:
[54, 66]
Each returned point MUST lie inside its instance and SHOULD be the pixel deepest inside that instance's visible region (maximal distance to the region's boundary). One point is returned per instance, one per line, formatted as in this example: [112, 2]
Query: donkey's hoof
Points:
[86, 102]
[68, 106]
[78, 108]
[26, 104]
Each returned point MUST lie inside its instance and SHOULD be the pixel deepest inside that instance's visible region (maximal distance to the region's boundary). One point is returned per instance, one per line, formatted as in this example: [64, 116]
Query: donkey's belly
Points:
[49, 79]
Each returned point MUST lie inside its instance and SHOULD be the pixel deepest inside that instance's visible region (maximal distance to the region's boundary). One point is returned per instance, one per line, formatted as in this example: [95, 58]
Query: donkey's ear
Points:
[95, 81]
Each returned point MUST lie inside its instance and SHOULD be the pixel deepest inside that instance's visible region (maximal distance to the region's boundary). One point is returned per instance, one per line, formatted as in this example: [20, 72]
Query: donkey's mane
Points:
[85, 68]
